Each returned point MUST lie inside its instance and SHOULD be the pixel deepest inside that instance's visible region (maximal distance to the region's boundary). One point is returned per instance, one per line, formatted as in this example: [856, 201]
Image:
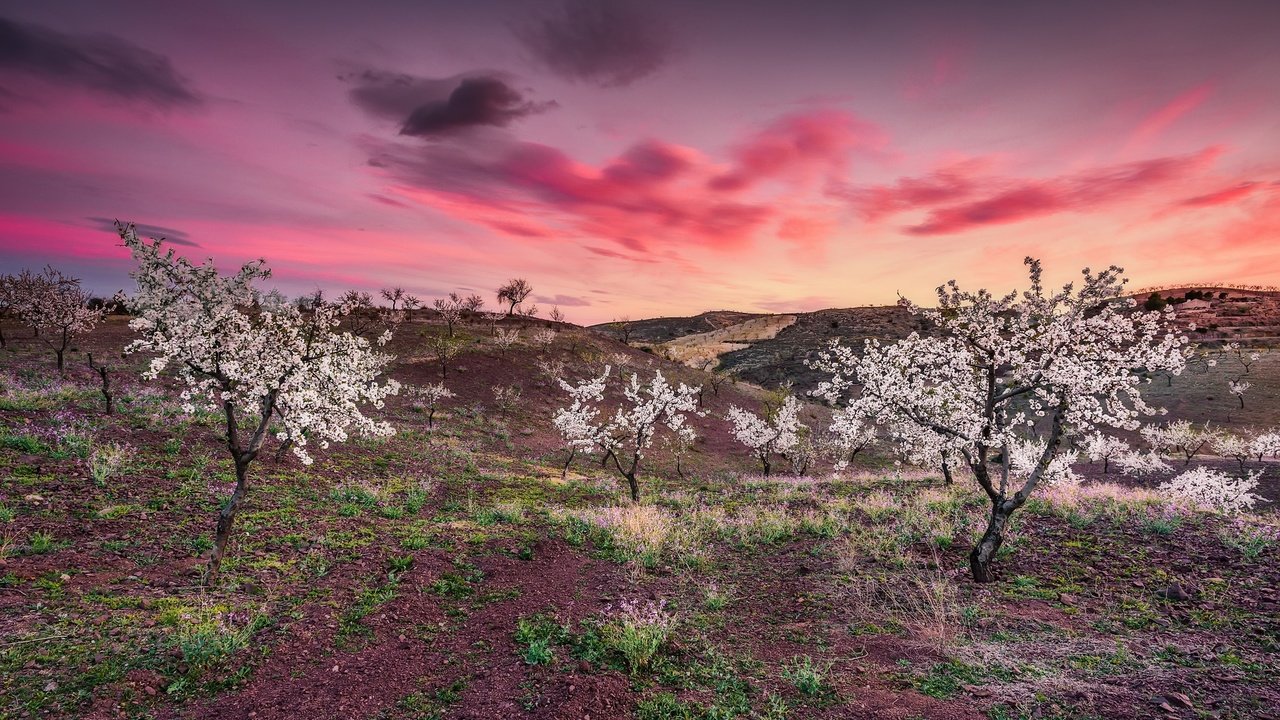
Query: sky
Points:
[647, 158]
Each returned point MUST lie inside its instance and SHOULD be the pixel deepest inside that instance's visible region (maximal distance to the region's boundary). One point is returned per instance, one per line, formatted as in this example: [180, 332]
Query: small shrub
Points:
[106, 462]
[807, 677]
[638, 632]
[538, 634]
[41, 543]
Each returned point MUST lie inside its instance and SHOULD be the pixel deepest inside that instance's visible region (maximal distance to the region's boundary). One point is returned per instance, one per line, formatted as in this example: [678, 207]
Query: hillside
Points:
[450, 571]
[1224, 314]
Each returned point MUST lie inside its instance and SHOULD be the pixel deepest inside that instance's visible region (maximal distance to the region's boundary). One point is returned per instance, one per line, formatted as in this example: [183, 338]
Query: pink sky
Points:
[648, 159]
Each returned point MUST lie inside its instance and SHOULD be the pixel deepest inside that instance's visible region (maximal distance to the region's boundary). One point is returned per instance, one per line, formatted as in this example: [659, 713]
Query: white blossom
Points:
[238, 351]
[1214, 490]
[846, 436]
[1138, 464]
[1264, 444]
[998, 368]
[777, 433]
[1100, 447]
[630, 431]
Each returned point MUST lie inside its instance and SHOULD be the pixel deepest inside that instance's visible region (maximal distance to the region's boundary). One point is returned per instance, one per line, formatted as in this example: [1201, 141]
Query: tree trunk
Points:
[564, 472]
[946, 474]
[226, 516]
[2, 340]
[635, 486]
[60, 363]
[764, 462]
[984, 552]
[1241, 401]
[431, 419]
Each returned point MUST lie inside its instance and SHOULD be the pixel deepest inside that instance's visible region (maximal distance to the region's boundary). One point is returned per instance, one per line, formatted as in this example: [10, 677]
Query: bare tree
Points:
[104, 375]
[514, 292]
[400, 300]
[450, 309]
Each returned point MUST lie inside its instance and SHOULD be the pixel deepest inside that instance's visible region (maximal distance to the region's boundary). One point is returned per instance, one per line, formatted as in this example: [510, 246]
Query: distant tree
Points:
[1264, 444]
[1180, 437]
[556, 314]
[59, 308]
[622, 326]
[443, 349]
[506, 339]
[514, 292]
[778, 432]
[472, 304]
[506, 397]
[1105, 448]
[1155, 303]
[543, 338]
[1239, 388]
[1233, 446]
[847, 436]
[493, 318]
[450, 309]
[8, 302]
[1214, 490]
[400, 300]
[428, 397]
[255, 358]
[627, 437]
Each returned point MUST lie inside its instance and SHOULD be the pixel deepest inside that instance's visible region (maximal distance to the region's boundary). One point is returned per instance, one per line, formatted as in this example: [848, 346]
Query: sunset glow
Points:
[649, 159]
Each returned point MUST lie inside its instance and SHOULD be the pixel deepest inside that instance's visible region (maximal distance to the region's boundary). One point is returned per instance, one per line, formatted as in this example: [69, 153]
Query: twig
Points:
[31, 640]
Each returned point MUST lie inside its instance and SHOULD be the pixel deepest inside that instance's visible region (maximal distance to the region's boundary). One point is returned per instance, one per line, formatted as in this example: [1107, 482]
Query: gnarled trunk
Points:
[226, 518]
[982, 555]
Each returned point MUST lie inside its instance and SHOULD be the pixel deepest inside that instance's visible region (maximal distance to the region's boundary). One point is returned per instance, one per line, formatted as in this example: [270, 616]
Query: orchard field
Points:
[459, 569]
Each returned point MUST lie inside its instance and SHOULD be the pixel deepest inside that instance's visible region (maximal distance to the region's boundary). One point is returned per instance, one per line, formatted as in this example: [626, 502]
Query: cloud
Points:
[102, 63]
[169, 235]
[1223, 197]
[1157, 123]
[964, 197]
[523, 183]
[427, 107]
[950, 184]
[565, 300]
[610, 43]
[652, 193]
[798, 146]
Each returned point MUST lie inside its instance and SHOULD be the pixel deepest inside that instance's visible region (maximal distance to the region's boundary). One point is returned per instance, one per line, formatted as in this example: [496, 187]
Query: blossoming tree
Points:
[58, 308]
[846, 436]
[627, 436]
[999, 368]
[1214, 490]
[261, 362]
[776, 433]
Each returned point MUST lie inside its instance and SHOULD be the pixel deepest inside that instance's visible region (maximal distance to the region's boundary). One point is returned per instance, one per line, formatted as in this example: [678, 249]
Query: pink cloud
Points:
[1225, 196]
[798, 146]
[964, 197]
[653, 192]
[1156, 123]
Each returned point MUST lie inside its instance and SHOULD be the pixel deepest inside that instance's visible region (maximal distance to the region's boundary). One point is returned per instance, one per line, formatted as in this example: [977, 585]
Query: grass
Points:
[808, 677]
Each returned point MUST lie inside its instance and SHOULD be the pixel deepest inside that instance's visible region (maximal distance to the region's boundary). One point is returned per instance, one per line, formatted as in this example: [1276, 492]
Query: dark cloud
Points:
[169, 235]
[102, 63]
[610, 43]
[565, 300]
[427, 107]
[394, 96]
